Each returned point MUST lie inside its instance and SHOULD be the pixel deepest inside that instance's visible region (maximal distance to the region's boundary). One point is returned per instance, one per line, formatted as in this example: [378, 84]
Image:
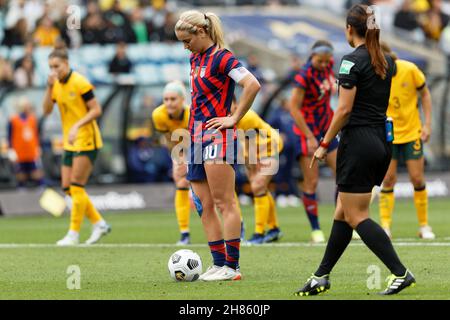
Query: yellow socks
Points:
[93, 215]
[80, 201]
[387, 201]
[91, 212]
[272, 221]
[262, 209]
[182, 209]
[421, 203]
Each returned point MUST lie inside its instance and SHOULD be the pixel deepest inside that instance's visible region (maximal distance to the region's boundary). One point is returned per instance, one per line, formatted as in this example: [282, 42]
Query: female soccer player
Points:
[173, 114]
[364, 152]
[214, 73]
[409, 136]
[260, 169]
[312, 113]
[79, 108]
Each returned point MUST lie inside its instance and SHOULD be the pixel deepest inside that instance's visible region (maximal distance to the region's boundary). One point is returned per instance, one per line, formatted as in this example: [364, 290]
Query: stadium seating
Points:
[153, 63]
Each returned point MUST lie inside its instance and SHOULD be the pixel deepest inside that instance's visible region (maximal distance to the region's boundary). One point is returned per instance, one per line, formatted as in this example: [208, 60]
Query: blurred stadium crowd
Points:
[29, 24]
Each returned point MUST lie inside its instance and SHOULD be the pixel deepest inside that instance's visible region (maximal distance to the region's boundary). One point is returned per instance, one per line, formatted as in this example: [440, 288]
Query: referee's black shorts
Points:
[363, 158]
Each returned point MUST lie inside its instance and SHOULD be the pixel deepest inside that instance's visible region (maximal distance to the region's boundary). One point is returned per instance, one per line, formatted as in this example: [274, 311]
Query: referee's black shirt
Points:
[372, 94]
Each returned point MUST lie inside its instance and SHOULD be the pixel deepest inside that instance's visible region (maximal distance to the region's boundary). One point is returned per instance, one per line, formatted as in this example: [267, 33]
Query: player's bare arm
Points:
[426, 107]
[251, 88]
[297, 97]
[48, 102]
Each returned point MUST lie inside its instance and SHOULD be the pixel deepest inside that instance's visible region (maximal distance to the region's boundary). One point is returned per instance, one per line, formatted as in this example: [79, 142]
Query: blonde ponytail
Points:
[191, 21]
[215, 29]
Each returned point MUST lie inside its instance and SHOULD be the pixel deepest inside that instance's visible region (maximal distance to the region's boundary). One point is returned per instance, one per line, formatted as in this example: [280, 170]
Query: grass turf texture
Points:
[114, 270]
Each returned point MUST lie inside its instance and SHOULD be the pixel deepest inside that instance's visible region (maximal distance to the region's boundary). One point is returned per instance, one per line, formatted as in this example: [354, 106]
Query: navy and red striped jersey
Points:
[318, 87]
[211, 88]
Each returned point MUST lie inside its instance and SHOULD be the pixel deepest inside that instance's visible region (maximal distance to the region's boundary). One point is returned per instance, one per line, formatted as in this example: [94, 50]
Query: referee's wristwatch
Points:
[324, 144]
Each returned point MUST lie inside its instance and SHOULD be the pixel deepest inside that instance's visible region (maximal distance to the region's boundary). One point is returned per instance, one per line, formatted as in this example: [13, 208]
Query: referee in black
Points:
[364, 152]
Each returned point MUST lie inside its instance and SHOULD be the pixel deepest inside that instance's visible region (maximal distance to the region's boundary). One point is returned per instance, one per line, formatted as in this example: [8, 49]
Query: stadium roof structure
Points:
[295, 33]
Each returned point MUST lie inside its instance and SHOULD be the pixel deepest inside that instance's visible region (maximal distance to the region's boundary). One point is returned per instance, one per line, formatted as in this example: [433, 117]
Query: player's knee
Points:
[208, 207]
[389, 182]
[182, 183]
[417, 181]
[258, 187]
[224, 205]
[353, 221]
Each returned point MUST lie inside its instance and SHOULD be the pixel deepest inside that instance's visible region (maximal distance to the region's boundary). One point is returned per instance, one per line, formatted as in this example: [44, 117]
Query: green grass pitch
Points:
[131, 262]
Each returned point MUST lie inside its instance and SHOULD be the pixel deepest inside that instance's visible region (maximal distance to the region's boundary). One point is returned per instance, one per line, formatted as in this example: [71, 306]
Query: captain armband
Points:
[237, 74]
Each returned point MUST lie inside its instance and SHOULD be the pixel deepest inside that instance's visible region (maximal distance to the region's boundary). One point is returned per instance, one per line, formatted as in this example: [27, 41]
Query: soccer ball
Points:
[185, 265]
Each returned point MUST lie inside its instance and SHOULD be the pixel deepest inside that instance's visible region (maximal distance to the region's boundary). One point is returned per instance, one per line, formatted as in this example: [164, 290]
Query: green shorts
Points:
[69, 155]
[408, 151]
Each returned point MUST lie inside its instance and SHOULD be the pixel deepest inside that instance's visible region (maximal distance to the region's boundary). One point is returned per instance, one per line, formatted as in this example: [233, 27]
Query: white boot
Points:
[71, 239]
[426, 233]
[99, 230]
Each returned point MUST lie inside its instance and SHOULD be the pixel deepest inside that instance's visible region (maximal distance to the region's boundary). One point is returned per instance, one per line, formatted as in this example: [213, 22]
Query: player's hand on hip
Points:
[320, 155]
[220, 123]
[72, 135]
[426, 133]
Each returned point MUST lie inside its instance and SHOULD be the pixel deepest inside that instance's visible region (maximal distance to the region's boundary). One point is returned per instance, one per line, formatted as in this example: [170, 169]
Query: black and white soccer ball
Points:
[185, 265]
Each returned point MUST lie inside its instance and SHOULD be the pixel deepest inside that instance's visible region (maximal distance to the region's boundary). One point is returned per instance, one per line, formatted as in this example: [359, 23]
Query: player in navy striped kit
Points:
[312, 113]
[213, 151]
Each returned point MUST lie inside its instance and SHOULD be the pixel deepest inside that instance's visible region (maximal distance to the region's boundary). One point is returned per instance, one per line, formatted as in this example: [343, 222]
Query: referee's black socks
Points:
[377, 240]
[340, 237]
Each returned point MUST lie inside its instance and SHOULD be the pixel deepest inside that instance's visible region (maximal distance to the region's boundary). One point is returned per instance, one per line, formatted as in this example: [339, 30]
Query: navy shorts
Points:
[301, 146]
[363, 159]
[212, 149]
[27, 167]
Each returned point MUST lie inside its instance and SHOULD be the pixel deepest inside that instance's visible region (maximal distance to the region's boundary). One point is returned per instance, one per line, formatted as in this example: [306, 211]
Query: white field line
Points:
[170, 245]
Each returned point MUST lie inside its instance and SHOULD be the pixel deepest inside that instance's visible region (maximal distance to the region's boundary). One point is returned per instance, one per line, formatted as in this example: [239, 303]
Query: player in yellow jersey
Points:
[409, 135]
[173, 114]
[79, 108]
[267, 144]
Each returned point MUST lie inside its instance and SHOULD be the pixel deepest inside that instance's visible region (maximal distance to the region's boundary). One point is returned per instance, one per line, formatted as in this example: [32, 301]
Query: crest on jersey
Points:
[196, 71]
[202, 72]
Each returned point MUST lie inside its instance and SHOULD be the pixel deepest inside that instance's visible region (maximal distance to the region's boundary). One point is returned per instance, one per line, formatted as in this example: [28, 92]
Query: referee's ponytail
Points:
[362, 19]
[191, 21]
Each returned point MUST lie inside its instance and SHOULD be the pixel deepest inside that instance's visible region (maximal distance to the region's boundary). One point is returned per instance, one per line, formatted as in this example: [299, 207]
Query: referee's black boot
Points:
[314, 285]
[398, 283]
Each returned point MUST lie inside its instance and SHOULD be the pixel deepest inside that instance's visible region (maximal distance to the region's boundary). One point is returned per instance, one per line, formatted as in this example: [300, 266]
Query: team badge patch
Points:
[202, 72]
[346, 66]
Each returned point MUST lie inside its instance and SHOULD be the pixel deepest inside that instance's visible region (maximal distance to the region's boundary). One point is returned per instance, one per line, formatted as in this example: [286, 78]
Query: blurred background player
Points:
[312, 113]
[24, 151]
[173, 114]
[79, 108]
[409, 136]
[257, 173]
[213, 151]
[286, 182]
